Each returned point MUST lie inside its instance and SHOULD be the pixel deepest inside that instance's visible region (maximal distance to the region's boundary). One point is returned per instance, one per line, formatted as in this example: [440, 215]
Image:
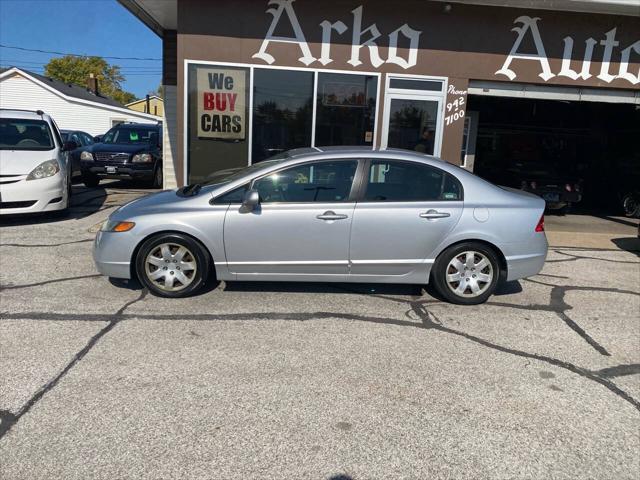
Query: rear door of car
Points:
[405, 210]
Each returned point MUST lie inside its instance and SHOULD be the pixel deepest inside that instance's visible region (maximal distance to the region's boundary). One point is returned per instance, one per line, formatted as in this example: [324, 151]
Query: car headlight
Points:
[116, 226]
[142, 158]
[86, 156]
[44, 170]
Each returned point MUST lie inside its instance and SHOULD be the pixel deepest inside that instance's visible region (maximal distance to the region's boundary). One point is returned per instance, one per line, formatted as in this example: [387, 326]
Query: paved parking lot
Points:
[262, 380]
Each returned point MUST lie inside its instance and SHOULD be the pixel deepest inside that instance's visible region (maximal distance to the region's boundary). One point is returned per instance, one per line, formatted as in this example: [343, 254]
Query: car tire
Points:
[90, 181]
[182, 265]
[157, 178]
[457, 271]
[630, 205]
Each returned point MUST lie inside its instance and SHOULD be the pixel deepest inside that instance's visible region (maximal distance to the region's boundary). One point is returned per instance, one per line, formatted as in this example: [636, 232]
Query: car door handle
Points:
[431, 214]
[330, 215]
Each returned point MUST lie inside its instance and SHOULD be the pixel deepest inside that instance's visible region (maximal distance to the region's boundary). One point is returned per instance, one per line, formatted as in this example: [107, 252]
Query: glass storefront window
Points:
[282, 111]
[218, 120]
[346, 109]
[412, 124]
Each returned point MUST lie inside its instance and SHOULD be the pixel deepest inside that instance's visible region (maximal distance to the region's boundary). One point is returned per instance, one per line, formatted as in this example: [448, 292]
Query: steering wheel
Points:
[28, 142]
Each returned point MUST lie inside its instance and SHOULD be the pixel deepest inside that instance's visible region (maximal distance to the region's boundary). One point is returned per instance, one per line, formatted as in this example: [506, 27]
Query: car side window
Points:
[86, 139]
[311, 182]
[234, 196]
[398, 181]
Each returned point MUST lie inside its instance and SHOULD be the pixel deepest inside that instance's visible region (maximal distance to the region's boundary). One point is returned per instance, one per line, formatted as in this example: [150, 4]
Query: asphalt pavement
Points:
[101, 380]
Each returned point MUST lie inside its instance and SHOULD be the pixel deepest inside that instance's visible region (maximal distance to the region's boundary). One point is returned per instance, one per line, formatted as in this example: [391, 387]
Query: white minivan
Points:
[34, 164]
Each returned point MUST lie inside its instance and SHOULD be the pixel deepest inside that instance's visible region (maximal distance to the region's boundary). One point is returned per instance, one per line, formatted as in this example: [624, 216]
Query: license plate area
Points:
[551, 197]
[111, 169]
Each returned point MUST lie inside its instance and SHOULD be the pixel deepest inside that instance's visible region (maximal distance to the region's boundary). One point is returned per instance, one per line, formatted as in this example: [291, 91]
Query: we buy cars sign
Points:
[221, 103]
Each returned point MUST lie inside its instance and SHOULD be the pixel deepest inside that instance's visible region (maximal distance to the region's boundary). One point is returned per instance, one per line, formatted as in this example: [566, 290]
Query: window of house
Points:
[311, 182]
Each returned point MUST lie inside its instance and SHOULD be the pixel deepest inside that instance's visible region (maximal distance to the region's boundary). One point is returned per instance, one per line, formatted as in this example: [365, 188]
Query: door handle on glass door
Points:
[331, 215]
[433, 214]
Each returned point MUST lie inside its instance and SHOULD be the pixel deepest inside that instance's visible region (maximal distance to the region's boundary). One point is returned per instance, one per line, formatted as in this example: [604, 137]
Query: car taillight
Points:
[540, 225]
[567, 187]
[534, 185]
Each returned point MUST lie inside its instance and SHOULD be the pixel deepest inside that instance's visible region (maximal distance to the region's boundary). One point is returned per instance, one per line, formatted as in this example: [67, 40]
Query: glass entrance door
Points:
[413, 114]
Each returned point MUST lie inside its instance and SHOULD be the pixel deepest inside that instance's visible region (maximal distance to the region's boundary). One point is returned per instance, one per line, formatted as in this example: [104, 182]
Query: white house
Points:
[72, 107]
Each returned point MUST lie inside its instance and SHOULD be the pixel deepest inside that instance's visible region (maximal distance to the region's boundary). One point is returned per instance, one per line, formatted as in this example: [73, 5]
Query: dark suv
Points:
[128, 151]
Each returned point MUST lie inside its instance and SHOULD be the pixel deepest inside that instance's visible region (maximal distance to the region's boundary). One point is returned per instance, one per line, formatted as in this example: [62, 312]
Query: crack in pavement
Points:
[9, 419]
[39, 245]
[46, 282]
[573, 258]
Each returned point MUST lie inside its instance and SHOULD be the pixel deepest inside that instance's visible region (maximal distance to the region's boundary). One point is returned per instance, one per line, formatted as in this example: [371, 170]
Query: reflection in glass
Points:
[412, 125]
[346, 107]
[282, 111]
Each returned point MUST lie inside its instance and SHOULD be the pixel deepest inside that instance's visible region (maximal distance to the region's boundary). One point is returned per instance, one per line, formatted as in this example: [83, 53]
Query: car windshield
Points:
[65, 136]
[23, 134]
[131, 135]
[231, 174]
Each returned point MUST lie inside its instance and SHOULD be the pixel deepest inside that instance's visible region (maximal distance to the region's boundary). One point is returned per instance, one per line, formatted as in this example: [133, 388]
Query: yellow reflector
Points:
[124, 227]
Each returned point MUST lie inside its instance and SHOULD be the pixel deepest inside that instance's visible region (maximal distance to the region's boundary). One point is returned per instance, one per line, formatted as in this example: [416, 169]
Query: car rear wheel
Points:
[466, 274]
[172, 265]
[90, 181]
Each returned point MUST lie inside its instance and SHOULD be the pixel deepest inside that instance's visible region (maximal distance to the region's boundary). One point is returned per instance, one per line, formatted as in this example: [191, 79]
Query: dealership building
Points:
[488, 85]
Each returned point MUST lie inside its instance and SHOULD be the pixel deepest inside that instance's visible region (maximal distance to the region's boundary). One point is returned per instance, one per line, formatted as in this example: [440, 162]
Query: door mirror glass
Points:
[250, 202]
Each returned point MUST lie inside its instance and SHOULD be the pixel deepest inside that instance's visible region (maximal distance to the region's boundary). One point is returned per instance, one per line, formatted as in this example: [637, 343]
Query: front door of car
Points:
[300, 229]
[407, 209]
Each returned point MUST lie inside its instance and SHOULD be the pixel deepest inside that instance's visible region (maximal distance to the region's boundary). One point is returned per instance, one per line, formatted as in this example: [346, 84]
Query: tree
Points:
[76, 70]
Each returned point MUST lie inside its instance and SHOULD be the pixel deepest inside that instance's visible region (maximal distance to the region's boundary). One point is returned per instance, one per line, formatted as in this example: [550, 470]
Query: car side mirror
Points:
[250, 201]
[68, 146]
[97, 138]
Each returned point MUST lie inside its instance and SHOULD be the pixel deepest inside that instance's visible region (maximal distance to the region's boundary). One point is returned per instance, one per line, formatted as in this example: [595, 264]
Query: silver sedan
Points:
[346, 214]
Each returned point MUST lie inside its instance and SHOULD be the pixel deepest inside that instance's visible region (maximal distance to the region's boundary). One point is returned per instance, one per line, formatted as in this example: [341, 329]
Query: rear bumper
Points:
[557, 198]
[112, 254]
[527, 259]
[34, 196]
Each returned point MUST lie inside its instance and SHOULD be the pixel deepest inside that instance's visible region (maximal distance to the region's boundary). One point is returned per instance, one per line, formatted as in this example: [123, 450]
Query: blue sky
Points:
[92, 27]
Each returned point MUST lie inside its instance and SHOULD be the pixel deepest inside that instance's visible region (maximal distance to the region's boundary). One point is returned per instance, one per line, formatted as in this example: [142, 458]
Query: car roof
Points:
[136, 125]
[23, 114]
[351, 150]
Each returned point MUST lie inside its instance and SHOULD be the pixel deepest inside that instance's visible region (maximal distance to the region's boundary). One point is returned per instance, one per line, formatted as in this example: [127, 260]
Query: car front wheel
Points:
[90, 180]
[172, 265]
[467, 273]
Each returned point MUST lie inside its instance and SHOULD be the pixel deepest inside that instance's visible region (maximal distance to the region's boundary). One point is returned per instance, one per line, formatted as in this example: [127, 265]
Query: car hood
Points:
[159, 202]
[21, 162]
[119, 147]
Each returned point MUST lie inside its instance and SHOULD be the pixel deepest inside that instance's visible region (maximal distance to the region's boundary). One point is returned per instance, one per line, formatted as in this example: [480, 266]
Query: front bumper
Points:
[112, 253]
[135, 171]
[34, 196]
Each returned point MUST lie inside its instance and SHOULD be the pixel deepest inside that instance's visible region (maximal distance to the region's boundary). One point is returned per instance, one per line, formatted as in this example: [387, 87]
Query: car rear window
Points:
[131, 135]
[24, 134]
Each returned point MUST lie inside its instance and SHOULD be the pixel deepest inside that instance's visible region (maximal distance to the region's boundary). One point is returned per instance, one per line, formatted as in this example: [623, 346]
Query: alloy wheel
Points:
[170, 267]
[469, 274]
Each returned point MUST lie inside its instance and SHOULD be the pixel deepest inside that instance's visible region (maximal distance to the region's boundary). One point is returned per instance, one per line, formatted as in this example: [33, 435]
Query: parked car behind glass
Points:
[129, 151]
[35, 175]
[344, 215]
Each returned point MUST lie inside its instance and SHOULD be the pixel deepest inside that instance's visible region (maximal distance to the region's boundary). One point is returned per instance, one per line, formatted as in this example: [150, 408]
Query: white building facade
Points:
[72, 107]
